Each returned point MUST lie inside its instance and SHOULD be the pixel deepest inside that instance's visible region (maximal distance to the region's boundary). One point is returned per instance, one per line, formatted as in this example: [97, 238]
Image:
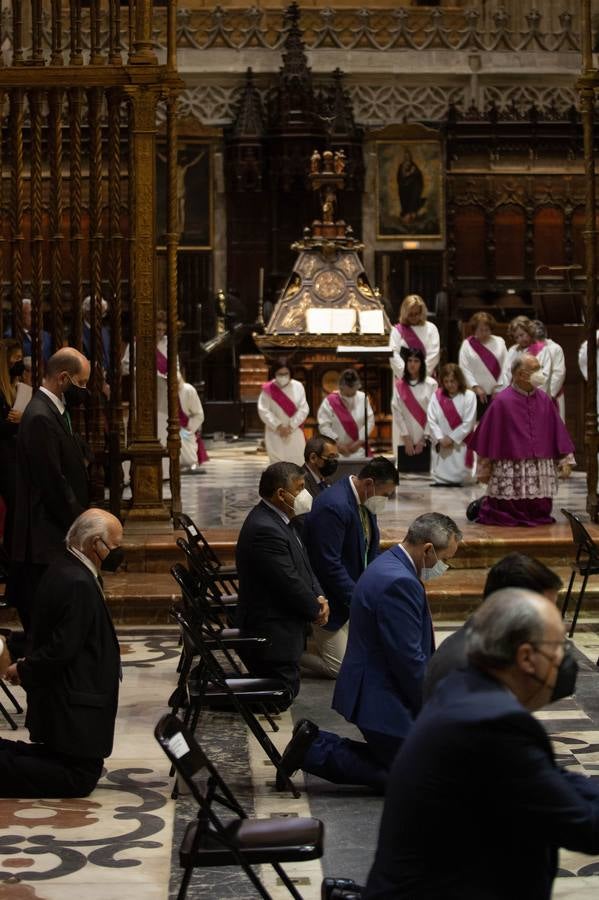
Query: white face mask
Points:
[376, 505]
[428, 572]
[537, 379]
[303, 503]
[282, 380]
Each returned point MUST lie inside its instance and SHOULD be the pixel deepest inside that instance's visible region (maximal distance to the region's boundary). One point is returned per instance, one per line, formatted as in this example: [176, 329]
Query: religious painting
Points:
[409, 189]
[194, 195]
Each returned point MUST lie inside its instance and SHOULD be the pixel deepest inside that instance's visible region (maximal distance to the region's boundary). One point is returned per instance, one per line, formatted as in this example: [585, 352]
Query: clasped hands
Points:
[323, 616]
[284, 430]
[12, 674]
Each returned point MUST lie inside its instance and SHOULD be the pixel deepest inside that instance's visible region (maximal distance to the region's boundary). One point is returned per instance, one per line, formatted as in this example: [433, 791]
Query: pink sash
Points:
[535, 348]
[344, 415]
[454, 419]
[410, 402]
[161, 362]
[410, 337]
[281, 399]
[490, 361]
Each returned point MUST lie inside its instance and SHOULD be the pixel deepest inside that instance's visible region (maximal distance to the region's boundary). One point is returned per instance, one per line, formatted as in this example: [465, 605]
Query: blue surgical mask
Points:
[428, 572]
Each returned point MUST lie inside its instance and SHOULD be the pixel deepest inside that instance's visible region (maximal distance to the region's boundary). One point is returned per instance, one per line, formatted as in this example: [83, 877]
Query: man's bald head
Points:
[94, 533]
[66, 367]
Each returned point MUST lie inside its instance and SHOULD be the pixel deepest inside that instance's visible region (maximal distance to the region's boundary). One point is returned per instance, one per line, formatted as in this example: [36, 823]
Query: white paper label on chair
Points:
[178, 746]
[193, 532]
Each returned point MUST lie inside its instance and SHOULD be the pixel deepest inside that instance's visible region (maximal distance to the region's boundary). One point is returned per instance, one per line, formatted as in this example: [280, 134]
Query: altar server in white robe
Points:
[524, 334]
[191, 419]
[583, 362]
[451, 418]
[482, 358]
[283, 408]
[554, 386]
[341, 416]
[414, 331]
[410, 402]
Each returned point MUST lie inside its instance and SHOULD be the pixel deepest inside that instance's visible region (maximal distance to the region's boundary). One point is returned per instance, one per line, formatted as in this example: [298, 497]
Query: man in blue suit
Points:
[476, 807]
[27, 342]
[342, 538]
[379, 687]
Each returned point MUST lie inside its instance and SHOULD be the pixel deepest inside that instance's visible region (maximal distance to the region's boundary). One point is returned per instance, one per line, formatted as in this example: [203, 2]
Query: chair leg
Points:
[273, 725]
[566, 602]
[578, 605]
[185, 883]
[11, 697]
[287, 881]
[8, 717]
[268, 747]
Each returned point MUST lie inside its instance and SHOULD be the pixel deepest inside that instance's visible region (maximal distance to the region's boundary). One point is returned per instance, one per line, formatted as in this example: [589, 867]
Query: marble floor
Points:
[122, 841]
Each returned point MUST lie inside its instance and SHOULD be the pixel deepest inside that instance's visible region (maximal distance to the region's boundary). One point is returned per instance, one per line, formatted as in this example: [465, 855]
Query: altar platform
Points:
[219, 500]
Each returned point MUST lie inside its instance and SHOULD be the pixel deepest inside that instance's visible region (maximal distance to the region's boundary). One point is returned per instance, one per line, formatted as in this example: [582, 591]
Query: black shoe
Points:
[304, 735]
[473, 509]
[339, 887]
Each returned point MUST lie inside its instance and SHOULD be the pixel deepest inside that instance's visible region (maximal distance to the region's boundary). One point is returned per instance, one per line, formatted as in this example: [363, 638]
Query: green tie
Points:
[366, 529]
[67, 419]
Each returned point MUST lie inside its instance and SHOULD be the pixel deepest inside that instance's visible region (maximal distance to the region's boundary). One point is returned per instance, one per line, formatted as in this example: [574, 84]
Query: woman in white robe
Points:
[554, 386]
[283, 408]
[451, 418]
[415, 332]
[482, 358]
[523, 332]
[341, 416]
[408, 429]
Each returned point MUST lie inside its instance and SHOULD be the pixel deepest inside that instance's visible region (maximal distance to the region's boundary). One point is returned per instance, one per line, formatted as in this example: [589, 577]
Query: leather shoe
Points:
[473, 510]
[304, 735]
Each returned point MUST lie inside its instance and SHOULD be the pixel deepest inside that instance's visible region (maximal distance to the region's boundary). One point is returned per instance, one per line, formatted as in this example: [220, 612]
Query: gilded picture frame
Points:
[409, 189]
[194, 195]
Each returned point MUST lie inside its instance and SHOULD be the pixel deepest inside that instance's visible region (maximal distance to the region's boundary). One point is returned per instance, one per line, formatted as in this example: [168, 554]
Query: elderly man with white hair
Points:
[71, 676]
[478, 769]
[27, 340]
[86, 336]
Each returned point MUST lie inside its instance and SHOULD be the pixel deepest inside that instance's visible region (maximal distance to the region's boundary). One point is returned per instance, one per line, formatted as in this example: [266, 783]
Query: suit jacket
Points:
[277, 588]
[51, 484]
[312, 486]
[476, 807]
[72, 674]
[379, 686]
[448, 657]
[335, 540]
[27, 345]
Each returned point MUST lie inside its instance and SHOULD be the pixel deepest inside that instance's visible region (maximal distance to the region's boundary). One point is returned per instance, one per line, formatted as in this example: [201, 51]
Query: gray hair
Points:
[508, 618]
[91, 523]
[434, 527]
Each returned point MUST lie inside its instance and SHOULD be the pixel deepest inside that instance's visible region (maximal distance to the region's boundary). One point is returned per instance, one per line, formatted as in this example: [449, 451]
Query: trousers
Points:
[345, 761]
[330, 649]
[33, 770]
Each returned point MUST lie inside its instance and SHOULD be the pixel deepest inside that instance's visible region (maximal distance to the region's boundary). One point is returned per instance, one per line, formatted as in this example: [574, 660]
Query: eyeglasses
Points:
[332, 456]
[565, 643]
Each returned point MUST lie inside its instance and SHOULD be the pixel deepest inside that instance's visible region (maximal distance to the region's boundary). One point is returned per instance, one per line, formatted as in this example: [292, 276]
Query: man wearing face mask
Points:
[279, 595]
[52, 482]
[379, 686]
[523, 448]
[341, 416]
[342, 537]
[478, 770]
[283, 408]
[71, 675]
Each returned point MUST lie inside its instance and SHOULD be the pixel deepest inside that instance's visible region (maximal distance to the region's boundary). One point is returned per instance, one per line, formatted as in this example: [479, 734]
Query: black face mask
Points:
[75, 395]
[17, 369]
[565, 683]
[329, 467]
[114, 559]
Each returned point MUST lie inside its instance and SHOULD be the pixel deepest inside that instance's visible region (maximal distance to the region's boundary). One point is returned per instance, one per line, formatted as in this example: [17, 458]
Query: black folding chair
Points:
[240, 694]
[224, 601]
[4, 573]
[195, 538]
[586, 564]
[241, 841]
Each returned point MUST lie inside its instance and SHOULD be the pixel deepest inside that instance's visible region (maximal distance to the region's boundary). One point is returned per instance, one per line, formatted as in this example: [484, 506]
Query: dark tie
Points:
[323, 485]
[101, 583]
[67, 419]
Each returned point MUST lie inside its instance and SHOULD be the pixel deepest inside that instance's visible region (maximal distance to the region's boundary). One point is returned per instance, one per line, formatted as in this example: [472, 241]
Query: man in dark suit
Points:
[320, 462]
[71, 675]
[379, 687]
[279, 595]
[342, 537]
[27, 342]
[476, 807]
[52, 482]
[514, 570]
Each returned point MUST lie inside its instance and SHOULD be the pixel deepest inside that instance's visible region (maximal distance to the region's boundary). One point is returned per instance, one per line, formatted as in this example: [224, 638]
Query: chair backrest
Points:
[585, 545]
[197, 539]
[188, 759]
[195, 595]
[194, 636]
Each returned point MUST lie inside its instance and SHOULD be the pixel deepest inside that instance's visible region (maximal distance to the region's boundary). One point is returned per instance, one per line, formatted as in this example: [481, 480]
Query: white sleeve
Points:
[397, 410]
[558, 371]
[464, 364]
[326, 420]
[194, 409]
[433, 349]
[302, 406]
[468, 419]
[265, 412]
[434, 419]
[370, 416]
[582, 361]
[395, 344]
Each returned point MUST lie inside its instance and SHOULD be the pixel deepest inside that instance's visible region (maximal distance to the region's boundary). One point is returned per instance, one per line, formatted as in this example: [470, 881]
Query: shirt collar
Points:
[84, 559]
[55, 400]
[408, 557]
[520, 391]
[284, 517]
[355, 493]
[315, 474]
